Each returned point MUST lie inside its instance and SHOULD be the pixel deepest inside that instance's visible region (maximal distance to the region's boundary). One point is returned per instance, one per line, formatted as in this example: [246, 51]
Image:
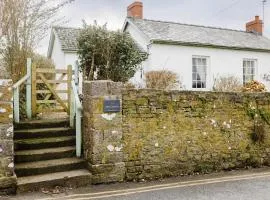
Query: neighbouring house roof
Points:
[195, 35]
[67, 38]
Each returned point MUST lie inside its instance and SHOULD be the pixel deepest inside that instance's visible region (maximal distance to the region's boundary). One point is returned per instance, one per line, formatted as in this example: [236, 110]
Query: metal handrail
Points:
[76, 95]
[16, 94]
[76, 113]
[16, 97]
[21, 81]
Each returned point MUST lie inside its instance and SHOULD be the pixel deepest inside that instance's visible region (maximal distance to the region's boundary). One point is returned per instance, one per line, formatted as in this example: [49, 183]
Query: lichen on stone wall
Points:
[7, 178]
[5, 101]
[195, 132]
[170, 133]
[102, 135]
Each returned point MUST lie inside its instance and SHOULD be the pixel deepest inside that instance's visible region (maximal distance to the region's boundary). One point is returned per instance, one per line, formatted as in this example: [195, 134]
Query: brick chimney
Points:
[135, 10]
[255, 26]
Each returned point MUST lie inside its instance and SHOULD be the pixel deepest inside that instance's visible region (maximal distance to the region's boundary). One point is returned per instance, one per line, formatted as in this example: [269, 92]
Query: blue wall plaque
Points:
[111, 106]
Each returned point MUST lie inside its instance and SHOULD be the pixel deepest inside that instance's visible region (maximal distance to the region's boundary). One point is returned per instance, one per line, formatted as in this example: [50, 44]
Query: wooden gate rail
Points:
[38, 77]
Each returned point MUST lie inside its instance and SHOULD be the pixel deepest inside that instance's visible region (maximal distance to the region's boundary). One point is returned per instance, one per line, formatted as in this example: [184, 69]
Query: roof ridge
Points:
[195, 25]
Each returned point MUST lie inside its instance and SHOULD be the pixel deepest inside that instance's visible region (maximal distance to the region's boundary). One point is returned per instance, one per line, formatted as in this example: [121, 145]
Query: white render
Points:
[62, 58]
[178, 58]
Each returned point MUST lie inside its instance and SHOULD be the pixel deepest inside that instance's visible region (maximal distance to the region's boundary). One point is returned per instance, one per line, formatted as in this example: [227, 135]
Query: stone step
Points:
[48, 166]
[44, 154]
[43, 133]
[43, 143]
[35, 124]
[75, 178]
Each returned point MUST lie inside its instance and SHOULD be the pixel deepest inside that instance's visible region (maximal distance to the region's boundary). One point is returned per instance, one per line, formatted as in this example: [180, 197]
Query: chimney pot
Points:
[257, 18]
[135, 10]
[255, 26]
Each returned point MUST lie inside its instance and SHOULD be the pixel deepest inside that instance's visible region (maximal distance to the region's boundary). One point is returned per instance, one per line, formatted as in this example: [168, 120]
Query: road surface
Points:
[248, 185]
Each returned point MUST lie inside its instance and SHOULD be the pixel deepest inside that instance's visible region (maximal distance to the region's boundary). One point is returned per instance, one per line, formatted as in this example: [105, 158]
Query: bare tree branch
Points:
[24, 23]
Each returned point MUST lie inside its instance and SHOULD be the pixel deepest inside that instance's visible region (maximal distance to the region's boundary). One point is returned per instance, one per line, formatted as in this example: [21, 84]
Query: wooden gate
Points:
[45, 93]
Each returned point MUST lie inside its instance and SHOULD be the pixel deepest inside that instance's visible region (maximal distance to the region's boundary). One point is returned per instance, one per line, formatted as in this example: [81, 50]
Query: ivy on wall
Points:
[260, 117]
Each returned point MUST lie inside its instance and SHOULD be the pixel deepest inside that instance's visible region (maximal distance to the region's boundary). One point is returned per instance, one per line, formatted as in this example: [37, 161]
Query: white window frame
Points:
[206, 70]
[247, 70]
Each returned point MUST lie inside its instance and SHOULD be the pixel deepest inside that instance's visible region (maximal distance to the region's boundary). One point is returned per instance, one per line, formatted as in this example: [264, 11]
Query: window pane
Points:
[203, 78]
[244, 64]
[204, 62]
[252, 63]
[194, 61]
[253, 70]
[199, 69]
[199, 84]
[204, 84]
[199, 61]
[194, 76]
[198, 77]
[194, 84]
[194, 68]
[248, 63]
[249, 70]
[249, 78]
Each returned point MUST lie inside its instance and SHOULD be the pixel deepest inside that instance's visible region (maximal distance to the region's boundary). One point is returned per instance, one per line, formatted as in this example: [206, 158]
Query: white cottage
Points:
[63, 49]
[63, 46]
[199, 54]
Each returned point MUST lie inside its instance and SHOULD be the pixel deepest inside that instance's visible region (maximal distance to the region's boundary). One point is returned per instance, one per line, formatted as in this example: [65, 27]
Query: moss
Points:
[97, 105]
[265, 115]
[187, 139]
[142, 101]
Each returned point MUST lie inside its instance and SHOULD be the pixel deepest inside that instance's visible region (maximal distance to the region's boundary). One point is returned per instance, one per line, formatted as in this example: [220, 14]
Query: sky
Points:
[232, 14]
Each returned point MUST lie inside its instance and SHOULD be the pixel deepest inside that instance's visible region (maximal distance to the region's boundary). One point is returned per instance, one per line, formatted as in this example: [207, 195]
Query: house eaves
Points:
[190, 44]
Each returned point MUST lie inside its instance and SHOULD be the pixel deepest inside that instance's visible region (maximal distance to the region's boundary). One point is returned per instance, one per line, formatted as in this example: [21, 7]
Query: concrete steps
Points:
[45, 156]
[42, 133]
[34, 124]
[74, 178]
[48, 166]
[41, 143]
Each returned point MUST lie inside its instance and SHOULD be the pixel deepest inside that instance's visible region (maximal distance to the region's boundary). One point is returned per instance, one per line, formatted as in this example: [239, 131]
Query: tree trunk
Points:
[91, 73]
[107, 69]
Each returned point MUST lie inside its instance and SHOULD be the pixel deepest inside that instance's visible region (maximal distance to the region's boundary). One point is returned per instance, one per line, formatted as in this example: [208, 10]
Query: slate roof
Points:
[171, 32]
[68, 37]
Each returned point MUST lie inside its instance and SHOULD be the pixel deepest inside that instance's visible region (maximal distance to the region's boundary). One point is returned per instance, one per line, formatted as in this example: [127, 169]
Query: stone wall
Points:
[7, 178]
[181, 133]
[102, 135]
[161, 133]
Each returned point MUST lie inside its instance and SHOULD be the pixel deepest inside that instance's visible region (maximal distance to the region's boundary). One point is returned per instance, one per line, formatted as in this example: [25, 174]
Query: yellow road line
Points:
[115, 193]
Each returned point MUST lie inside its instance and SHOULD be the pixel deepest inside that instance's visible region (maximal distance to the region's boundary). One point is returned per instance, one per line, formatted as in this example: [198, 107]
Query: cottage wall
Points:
[222, 62]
